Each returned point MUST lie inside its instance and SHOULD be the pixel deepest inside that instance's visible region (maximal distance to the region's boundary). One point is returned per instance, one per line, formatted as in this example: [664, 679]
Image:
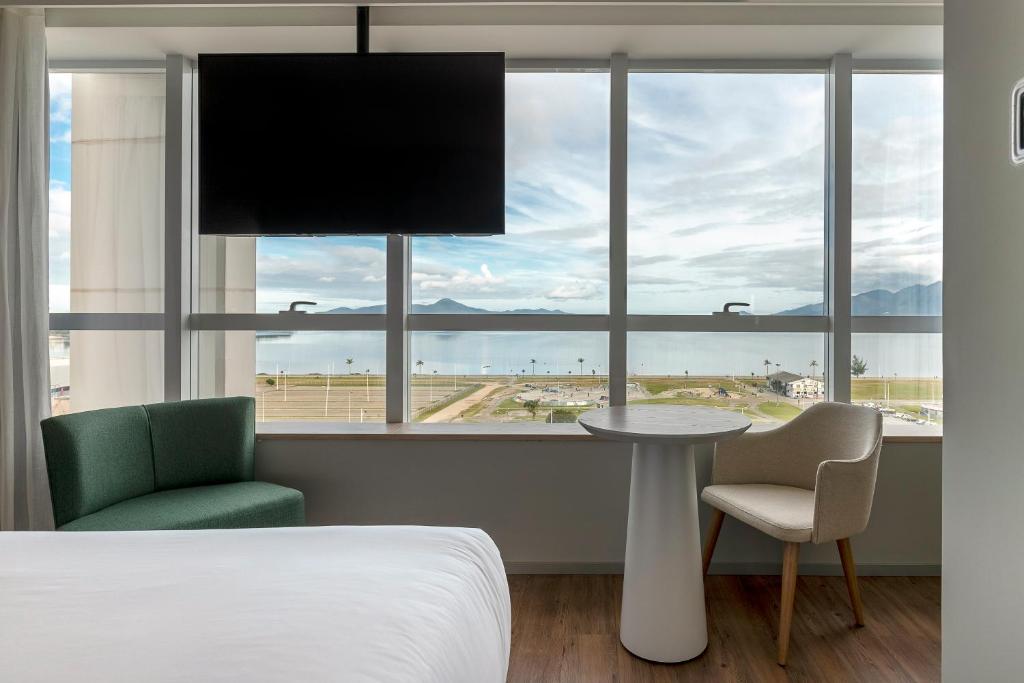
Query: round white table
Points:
[663, 615]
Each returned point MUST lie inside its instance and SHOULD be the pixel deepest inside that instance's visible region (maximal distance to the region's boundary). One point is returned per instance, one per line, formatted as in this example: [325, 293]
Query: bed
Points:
[289, 604]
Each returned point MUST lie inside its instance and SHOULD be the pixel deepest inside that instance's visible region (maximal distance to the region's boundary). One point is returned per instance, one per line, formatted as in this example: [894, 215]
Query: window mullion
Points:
[617, 257]
[178, 230]
[397, 349]
[838, 232]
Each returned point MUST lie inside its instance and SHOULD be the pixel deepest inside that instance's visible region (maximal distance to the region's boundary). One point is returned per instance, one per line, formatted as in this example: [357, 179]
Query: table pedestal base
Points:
[663, 615]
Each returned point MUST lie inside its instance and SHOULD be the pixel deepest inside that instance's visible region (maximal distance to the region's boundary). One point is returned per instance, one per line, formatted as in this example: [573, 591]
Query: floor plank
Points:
[565, 628]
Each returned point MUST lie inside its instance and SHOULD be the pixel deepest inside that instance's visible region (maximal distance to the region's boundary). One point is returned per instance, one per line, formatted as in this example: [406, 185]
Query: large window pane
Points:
[726, 192]
[507, 376]
[897, 194]
[769, 377]
[297, 376]
[554, 255]
[265, 274]
[106, 193]
[901, 374]
[91, 369]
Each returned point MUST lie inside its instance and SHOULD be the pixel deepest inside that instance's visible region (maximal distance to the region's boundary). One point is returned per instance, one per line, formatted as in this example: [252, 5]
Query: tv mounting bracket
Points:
[362, 29]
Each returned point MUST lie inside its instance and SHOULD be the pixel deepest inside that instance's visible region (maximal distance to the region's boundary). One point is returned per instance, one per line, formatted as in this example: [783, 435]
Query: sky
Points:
[60, 191]
[726, 200]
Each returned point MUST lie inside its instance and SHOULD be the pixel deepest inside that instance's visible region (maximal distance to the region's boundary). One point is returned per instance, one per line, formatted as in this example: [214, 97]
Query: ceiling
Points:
[651, 30]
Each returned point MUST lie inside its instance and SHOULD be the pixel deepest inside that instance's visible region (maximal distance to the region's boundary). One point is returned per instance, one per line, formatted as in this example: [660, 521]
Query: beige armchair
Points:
[812, 479]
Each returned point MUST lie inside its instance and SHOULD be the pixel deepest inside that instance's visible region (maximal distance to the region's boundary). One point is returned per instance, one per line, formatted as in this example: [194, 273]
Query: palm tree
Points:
[367, 385]
[349, 362]
[533, 366]
[580, 361]
[767, 364]
[814, 364]
[419, 366]
[432, 386]
[687, 373]
[778, 390]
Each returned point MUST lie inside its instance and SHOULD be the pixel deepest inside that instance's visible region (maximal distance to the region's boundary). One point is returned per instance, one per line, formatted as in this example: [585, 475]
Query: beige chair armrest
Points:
[843, 493]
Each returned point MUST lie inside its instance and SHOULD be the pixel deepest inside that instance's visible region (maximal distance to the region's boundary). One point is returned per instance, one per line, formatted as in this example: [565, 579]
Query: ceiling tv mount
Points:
[362, 29]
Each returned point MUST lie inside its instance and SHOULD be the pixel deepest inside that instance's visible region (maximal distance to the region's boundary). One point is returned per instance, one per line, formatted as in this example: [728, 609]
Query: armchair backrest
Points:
[97, 458]
[202, 442]
[791, 454]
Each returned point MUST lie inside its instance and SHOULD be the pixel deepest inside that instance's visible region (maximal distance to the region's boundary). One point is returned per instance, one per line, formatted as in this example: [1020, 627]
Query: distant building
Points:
[796, 386]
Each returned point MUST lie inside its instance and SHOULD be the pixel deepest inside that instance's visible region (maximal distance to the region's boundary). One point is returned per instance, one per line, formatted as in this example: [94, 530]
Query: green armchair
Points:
[180, 465]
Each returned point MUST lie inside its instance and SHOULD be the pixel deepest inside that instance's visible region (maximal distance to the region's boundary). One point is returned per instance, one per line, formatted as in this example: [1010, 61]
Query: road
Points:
[449, 413]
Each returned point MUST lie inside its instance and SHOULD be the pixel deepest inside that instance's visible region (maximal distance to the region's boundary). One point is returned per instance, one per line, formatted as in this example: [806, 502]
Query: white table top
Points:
[664, 424]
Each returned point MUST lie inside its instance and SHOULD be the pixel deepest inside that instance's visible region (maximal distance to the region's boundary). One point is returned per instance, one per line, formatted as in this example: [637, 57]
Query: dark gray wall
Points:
[562, 506]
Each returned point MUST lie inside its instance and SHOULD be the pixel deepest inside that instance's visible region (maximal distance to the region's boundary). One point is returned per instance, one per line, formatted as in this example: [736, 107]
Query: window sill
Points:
[412, 431]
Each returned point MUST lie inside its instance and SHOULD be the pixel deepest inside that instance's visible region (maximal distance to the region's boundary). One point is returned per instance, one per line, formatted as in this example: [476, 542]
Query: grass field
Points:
[360, 398]
[658, 385]
[780, 411]
[910, 389]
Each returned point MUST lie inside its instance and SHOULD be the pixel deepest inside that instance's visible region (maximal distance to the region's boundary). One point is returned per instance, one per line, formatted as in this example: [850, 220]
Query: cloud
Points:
[576, 290]
[459, 281]
[60, 98]
[636, 261]
[333, 271]
[766, 266]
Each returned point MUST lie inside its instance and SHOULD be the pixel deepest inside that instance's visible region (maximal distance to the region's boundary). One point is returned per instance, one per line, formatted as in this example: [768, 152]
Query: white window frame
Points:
[181, 321]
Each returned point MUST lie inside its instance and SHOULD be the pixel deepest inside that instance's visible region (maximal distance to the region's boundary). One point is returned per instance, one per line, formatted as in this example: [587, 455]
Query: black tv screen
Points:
[327, 144]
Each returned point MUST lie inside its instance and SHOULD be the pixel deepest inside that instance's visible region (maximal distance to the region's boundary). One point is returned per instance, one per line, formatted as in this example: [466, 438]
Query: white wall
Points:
[983, 479]
[561, 506]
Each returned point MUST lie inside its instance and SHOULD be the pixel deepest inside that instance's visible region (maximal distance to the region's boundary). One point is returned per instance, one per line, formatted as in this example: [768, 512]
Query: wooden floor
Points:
[565, 628]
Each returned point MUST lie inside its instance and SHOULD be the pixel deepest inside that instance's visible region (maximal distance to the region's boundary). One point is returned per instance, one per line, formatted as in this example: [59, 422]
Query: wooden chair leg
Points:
[790, 560]
[717, 517]
[850, 569]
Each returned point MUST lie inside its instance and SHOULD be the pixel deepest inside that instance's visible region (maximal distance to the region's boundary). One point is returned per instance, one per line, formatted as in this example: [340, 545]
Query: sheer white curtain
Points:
[117, 238]
[24, 309]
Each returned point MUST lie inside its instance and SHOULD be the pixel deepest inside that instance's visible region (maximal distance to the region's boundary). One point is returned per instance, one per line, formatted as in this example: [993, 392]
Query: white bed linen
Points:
[416, 604]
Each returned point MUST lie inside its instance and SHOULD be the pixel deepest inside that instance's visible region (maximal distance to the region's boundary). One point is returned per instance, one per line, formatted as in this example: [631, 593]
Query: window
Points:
[901, 375]
[106, 193]
[266, 274]
[553, 257]
[897, 194]
[552, 261]
[770, 378]
[897, 249]
[106, 238]
[725, 200]
[297, 376]
[91, 369]
[726, 192]
[468, 377]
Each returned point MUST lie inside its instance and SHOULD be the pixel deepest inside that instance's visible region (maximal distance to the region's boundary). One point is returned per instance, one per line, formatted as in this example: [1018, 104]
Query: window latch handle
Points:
[294, 307]
[727, 309]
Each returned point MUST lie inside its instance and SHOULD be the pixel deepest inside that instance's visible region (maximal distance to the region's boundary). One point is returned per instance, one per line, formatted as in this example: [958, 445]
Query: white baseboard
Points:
[731, 568]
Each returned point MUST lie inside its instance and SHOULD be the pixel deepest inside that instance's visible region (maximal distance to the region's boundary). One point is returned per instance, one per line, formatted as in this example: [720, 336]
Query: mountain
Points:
[914, 300]
[447, 306]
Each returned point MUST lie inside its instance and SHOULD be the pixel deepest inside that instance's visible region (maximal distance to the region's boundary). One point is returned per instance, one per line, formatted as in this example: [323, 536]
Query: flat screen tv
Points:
[329, 144]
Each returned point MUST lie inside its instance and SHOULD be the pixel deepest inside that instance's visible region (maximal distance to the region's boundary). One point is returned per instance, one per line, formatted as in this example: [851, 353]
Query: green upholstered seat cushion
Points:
[97, 458]
[202, 442]
[225, 506]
